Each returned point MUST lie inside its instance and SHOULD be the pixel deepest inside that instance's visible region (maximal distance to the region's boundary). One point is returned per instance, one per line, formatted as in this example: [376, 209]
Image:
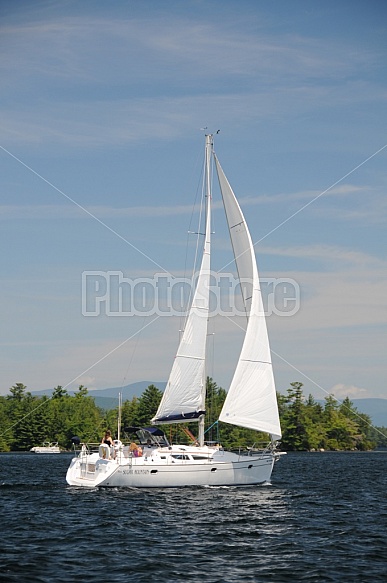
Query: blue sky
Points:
[101, 147]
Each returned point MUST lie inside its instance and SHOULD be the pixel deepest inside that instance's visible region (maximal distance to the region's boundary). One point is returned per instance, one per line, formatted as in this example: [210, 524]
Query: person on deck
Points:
[107, 438]
[135, 450]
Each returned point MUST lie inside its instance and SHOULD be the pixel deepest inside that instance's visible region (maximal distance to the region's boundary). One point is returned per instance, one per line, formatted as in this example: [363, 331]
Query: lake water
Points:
[323, 518]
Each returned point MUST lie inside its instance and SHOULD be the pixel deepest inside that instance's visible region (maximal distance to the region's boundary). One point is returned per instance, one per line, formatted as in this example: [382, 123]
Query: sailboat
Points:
[250, 402]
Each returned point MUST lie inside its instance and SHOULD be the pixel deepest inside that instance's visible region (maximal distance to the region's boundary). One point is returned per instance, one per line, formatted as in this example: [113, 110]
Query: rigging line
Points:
[113, 350]
[310, 202]
[329, 394]
[82, 373]
[187, 240]
[315, 383]
[202, 204]
[211, 426]
[85, 210]
[209, 374]
[211, 349]
[133, 353]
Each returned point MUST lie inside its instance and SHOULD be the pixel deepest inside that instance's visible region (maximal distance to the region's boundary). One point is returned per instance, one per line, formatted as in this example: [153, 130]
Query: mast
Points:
[119, 416]
[184, 397]
[207, 244]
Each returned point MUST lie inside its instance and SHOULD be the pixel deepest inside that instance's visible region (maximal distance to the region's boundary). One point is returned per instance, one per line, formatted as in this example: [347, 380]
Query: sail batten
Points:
[251, 360]
[193, 357]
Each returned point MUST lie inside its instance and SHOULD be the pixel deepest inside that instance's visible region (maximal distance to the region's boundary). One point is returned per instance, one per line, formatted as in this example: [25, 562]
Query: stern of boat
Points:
[90, 469]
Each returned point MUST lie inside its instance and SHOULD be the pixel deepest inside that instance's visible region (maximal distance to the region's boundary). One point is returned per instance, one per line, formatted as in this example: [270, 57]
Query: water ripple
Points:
[322, 519]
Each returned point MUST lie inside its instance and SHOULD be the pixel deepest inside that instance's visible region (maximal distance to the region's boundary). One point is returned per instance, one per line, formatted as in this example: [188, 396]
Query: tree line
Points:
[28, 420]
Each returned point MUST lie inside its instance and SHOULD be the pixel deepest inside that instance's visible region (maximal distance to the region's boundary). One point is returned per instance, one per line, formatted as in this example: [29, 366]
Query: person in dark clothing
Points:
[107, 438]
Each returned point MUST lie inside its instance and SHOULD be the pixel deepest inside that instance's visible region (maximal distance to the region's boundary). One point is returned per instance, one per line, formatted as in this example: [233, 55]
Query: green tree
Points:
[18, 392]
[83, 418]
[306, 424]
[32, 428]
[18, 410]
[59, 412]
[59, 392]
[28, 418]
[363, 421]
[377, 436]
[6, 434]
[215, 397]
[129, 413]
[147, 405]
[294, 430]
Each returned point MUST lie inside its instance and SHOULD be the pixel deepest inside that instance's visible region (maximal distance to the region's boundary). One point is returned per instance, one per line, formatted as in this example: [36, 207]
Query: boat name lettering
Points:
[135, 472]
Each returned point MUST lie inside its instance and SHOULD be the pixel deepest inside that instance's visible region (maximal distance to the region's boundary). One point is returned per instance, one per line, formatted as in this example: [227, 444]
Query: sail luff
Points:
[251, 399]
[184, 396]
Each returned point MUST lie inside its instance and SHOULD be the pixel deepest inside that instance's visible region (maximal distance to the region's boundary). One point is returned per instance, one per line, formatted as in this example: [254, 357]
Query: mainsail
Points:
[251, 399]
[184, 395]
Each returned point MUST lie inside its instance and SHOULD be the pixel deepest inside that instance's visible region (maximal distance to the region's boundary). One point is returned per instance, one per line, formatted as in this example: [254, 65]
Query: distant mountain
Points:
[108, 398]
[375, 408]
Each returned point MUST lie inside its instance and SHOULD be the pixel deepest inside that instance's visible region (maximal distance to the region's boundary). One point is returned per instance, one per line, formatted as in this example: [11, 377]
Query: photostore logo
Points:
[110, 293]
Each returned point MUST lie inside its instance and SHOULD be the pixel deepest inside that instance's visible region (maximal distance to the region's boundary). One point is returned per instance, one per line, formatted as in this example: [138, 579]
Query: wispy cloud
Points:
[329, 253]
[340, 391]
[369, 207]
[254, 77]
[114, 122]
[104, 211]
[338, 191]
[347, 299]
[209, 49]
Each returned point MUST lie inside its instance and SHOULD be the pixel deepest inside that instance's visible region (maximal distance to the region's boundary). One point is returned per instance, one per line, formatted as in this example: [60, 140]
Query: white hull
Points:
[46, 449]
[171, 468]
